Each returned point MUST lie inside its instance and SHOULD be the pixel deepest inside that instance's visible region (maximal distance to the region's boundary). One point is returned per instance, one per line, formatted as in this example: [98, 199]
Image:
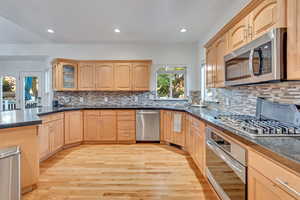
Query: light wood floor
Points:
[108, 172]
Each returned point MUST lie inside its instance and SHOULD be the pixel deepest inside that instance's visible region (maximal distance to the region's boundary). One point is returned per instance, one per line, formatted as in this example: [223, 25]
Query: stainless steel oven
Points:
[262, 60]
[226, 166]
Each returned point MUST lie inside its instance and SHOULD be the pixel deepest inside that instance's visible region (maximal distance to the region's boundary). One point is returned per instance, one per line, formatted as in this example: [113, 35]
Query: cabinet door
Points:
[108, 127]
[210, 67]
[178, 135]
[86, 76]
[238, 34]
[188, 133]
[123, 76]
[260, 187]
[140, 75]
[168, 126]
[44, 131]
[91, 126]
[104, 76]
[56, 134]
[293, 50]
[263, 18]
[67, 75]
[221, 47]
[73, 127]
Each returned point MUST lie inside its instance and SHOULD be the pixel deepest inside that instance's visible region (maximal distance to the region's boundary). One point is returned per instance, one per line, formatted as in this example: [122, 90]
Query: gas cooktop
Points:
[255, 127]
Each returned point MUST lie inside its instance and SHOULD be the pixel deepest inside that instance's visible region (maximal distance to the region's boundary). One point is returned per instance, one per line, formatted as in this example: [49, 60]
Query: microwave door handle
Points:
[251, 71]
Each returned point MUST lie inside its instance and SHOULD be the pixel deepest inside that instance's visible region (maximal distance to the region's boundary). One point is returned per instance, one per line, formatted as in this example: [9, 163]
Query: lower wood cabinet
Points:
[73, 127]
[268, 180]
[196, 142]
[126, 126]
[27, 139]
[109, 126]
[173, 127]
[51, 134]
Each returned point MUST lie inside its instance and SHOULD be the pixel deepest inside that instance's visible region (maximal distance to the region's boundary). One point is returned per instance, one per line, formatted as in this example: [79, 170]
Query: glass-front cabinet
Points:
[64, 76]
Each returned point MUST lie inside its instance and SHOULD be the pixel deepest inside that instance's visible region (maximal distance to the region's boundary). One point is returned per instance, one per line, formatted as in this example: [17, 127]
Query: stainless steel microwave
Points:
[261, 60]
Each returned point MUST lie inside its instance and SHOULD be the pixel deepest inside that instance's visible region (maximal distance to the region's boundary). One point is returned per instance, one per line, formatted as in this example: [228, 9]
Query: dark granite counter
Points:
[285, 150]
[18, 118]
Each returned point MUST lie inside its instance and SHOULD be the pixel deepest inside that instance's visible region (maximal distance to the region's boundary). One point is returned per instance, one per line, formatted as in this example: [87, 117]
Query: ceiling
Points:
[93, 21]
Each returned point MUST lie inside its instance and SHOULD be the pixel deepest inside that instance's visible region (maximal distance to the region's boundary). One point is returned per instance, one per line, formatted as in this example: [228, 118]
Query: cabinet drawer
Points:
[52, 117]
[92, 112]
[285, 179]
[126, 135]
[108, 112]
[126, 125]
[126, 112]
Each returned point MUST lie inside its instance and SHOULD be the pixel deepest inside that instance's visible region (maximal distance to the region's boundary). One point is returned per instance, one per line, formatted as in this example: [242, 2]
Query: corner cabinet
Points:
[101, 75]
[64, 76]
[73, 127]
[293, 21]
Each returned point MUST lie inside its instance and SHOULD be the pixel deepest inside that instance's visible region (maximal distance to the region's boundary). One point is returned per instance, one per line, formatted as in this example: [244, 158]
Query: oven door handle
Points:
[231, 163]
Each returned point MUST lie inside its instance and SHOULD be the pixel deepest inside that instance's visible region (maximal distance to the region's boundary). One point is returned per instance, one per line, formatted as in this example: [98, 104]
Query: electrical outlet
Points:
[105, 99]
[81, 99]
[136, 99]
[227, 101]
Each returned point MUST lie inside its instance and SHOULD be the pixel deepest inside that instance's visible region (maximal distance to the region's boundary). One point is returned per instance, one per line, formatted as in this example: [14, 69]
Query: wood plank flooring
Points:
[109, 172]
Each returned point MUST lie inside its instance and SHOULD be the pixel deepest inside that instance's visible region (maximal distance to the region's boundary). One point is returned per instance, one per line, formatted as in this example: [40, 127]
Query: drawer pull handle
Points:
[286, 185]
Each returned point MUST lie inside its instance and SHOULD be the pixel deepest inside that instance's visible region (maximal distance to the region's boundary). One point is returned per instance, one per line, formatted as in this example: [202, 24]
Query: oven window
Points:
[221, 142]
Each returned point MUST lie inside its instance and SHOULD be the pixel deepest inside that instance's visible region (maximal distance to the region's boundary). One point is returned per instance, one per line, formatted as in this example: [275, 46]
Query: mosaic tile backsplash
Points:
[94, 98]
[242, 99]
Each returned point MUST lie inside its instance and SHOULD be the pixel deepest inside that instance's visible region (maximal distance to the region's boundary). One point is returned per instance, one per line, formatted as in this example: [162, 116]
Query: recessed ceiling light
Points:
[183, 30]
[117, 30]
[50, 31]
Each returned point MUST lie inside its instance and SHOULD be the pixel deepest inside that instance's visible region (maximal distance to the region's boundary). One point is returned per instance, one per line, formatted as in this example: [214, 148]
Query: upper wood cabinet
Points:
[220, 48]
[123, 76]
[293, 22]
[140, 76]
[73, 127]
[238, 34]
[86, 76]
[101, 75]
[104, 76]
[210, 66]
[64, 76]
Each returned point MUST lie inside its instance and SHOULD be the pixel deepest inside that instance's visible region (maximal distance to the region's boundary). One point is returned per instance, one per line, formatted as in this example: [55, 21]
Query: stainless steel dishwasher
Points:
[148, 125]
[10, 188]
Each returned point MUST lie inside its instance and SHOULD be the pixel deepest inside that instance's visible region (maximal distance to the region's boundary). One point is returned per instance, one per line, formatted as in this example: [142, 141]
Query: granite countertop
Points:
[285, 150]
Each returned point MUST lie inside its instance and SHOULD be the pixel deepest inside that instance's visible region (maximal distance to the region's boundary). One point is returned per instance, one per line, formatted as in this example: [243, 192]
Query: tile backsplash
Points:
[242, 99]
[94, 98]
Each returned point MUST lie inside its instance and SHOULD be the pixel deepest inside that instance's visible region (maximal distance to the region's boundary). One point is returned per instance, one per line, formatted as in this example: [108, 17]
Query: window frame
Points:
[184, 72]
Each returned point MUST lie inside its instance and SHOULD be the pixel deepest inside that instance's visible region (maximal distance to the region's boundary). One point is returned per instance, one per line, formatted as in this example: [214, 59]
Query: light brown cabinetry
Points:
[105, 79]
[140, 76]
[263, 18]
[220, 49]
[293, 21]
[268, 180]
[210, 67]
[169, 133]
[86, 76]
[101, 75]
[51, 133]
[64, 75]
[196, 142]
[126, 126]
[73, 127]
[108, 125]
[27, 139]
[238, 34]
[123, 76]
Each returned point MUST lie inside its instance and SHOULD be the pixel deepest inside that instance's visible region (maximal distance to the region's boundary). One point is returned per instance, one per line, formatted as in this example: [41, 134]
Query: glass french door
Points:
[31, 94]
